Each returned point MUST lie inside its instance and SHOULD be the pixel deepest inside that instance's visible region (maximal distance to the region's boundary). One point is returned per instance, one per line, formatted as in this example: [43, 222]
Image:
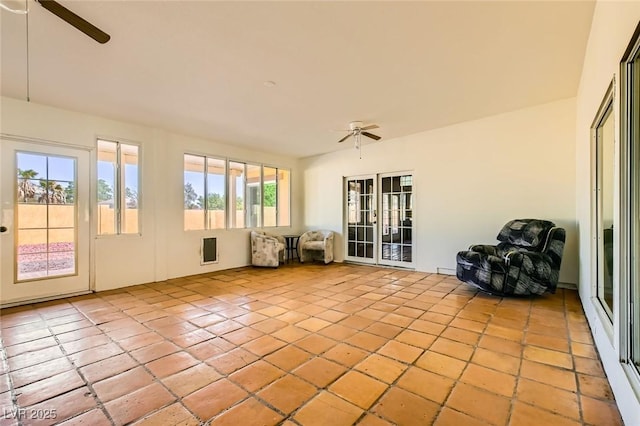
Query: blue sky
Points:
[61, 169]
[215, 182]
[106, 172]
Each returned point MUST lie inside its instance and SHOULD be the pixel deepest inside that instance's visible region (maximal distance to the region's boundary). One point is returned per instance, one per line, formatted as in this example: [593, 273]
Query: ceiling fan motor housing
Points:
[354, 125]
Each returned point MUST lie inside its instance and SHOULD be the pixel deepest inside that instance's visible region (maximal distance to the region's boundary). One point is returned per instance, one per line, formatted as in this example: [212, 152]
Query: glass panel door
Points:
[396, 221]
[379, 219]
[603, 132]
[45, 215]
[633, 124]
[361, 219]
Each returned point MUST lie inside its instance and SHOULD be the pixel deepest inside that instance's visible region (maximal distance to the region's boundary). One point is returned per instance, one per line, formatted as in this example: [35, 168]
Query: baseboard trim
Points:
[568, 286]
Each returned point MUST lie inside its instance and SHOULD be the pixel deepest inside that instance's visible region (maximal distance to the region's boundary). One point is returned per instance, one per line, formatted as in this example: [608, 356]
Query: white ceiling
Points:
[199, 67]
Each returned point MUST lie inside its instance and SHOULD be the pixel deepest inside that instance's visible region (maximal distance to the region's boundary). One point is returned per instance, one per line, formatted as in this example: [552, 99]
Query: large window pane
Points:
[129, 158]
[254, 197]
[194, 192]
[633, 128]
[118, 188]
[634, 290]
[107, 166]
[270, 189]
[216, 201]
[284, 197]
[236, 194]
[46, 216]
[605, 161]
[629, 259]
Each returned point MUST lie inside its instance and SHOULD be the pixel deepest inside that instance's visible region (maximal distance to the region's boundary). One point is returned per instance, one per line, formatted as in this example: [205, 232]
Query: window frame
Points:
[605, 111]
[119, 192]
[231, 218]
[629, 287]
[230, 205]
[205, 190]
[279, 188]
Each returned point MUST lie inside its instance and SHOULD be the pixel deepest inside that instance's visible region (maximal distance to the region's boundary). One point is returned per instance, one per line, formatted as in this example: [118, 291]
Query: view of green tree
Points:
[131, 198]
[52, 192]
[191, 199]
[215, 202]
[239, 203]
[70, 192]
[26, 188]
[105, 192]
[269, 194]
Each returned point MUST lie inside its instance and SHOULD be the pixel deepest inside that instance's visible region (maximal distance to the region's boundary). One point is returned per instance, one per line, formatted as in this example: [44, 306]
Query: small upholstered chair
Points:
[316, 245]
[526, 261]
[266, 249]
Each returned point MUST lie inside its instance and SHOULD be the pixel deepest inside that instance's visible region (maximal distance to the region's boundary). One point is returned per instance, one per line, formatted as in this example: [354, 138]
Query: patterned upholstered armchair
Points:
[266, 249]
[526, 261]
[316, 245]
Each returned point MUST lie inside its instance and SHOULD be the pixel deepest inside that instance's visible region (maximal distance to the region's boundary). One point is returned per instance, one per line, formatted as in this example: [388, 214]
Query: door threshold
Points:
[43, 299]
[399, 268]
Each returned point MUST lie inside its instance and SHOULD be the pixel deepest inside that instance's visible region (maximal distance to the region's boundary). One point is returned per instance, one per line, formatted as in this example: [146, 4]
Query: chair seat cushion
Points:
[313, 245]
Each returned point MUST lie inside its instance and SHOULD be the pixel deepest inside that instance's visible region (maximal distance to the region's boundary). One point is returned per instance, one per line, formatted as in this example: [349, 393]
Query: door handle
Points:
[3, 229]
[375, 217]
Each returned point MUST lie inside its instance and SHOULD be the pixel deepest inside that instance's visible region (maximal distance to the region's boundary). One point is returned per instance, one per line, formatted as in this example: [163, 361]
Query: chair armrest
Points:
[303, 239]
[486, 249]
[520, 255]
[267, 239]
[533, 263]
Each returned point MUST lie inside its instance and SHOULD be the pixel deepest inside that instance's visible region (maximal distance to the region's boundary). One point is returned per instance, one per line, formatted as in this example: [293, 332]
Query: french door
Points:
[44, 246]
[379, 219]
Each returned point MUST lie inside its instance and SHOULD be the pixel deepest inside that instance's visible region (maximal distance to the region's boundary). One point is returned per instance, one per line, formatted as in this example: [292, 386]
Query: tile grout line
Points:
[240, 296]
[14, 397]
[99, 404]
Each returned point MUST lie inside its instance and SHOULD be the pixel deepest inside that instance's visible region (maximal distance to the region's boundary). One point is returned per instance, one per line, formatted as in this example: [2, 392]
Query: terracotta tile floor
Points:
[303, 344]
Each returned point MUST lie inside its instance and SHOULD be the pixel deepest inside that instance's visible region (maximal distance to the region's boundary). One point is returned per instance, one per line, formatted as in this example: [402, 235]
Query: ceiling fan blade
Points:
[66, 15]
[370, 127]
[371, 135]
[345, 138]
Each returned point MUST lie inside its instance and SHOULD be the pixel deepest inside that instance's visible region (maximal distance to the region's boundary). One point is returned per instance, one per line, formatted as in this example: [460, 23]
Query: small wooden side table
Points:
[291, 247]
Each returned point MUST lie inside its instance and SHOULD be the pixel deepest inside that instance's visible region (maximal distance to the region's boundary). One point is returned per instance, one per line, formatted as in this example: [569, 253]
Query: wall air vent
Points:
[209, 251]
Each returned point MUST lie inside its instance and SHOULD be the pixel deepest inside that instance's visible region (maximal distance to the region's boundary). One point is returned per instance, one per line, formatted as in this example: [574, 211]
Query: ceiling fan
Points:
[76, 21]
[356, 129]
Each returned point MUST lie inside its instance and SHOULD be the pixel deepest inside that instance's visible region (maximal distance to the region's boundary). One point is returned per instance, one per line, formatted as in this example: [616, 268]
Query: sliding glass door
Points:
[603, 136]
[630, 209]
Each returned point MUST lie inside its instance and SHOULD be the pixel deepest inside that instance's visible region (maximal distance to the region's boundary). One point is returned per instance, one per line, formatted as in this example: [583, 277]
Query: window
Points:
[216, 196]
[117, 190]
[284, 197]
[198, 182]
[630, 208]
[603, 137]
[270, 193]
[256, 195]
[236, 194]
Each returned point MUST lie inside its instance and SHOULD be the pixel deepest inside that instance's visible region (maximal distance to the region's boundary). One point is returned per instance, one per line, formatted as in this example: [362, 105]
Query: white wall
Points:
[163, 250]
[612, 28]
[469, 180]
